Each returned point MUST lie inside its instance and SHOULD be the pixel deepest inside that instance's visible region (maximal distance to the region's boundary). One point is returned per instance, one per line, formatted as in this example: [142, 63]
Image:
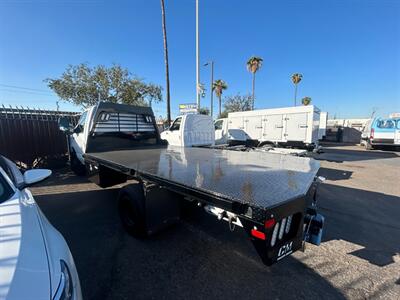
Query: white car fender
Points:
[57, 249]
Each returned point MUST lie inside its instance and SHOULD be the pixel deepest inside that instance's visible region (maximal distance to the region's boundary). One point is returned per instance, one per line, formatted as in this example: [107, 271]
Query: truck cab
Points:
[100, 125]
[230, 136]
[79, 135]
[190, 130]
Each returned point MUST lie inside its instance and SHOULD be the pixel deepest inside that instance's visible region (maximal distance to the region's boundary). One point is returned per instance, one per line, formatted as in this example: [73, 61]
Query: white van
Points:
[381, 132]
[190, 130]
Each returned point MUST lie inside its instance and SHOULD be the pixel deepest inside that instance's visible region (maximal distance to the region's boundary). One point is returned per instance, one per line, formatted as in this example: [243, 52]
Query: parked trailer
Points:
[289, 126]
[270, 196]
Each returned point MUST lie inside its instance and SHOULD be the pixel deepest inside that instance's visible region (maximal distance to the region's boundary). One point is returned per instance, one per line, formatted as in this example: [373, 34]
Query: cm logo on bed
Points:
[285, 250]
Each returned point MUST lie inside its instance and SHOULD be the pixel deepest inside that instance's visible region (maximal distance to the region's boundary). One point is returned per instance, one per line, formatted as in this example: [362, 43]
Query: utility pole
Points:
[197, 58]
[164, 28]
[211, 85]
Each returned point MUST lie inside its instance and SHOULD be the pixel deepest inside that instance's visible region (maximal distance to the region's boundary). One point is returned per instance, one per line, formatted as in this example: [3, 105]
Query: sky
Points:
[348, 51]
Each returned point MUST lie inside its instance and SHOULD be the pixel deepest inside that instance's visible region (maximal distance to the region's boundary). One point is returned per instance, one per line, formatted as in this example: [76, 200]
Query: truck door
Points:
[173, 134]
[273, 128]
[253, 127]
[296, 127]
[219, 131]
[78, 138]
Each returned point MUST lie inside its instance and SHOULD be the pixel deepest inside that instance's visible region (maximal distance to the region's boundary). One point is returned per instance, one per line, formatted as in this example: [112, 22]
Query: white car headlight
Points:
[65, 287]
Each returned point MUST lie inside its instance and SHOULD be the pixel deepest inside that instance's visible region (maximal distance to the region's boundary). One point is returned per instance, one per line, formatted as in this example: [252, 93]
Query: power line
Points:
[23, 88]
[28, 92]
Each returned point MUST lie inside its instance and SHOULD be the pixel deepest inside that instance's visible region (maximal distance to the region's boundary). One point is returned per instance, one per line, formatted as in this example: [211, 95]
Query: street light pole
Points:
[211, 85]
[197, 58]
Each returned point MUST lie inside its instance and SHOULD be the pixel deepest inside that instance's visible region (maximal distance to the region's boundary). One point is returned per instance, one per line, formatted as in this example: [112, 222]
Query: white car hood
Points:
[24, 269]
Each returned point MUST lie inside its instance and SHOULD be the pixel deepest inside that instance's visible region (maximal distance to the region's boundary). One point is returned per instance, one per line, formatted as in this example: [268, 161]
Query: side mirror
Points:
[64, 124]
[35, 175]
[78, 129]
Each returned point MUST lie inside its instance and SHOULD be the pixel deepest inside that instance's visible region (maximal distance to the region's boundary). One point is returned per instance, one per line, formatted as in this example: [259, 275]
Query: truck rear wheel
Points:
[368, 146]
[266, 143]
[131, 210]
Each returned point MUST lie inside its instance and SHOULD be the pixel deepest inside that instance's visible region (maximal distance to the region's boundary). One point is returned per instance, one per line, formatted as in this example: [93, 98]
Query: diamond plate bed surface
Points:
[255, 178]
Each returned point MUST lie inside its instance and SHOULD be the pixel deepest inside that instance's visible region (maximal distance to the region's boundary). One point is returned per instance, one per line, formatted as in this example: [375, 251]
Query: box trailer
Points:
[287, 126]
[272, 197]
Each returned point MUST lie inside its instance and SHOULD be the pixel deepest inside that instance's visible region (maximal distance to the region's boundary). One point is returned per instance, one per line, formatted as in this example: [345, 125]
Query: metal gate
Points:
[31, 136]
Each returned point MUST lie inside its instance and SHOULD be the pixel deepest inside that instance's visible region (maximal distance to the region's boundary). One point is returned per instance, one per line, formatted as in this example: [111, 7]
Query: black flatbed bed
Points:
[257, 179]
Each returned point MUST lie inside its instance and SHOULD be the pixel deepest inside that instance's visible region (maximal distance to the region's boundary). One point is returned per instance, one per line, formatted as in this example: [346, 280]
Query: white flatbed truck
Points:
[271, 196]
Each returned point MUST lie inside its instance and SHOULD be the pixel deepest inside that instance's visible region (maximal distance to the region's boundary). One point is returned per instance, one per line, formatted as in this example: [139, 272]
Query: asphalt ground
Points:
[200, 258]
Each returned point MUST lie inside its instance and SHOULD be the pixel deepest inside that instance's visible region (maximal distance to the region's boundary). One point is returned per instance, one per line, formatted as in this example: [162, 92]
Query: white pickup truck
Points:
[190, 130]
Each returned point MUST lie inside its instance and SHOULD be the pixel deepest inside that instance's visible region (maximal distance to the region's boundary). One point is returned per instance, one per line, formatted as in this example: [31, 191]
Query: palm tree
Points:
[306, 101]
[296, 78]
[164, 28]
[218, 86]
[253, 65]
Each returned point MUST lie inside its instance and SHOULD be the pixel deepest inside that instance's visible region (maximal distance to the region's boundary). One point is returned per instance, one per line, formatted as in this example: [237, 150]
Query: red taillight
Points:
[269, 223]
[258, 234]
[372, 134]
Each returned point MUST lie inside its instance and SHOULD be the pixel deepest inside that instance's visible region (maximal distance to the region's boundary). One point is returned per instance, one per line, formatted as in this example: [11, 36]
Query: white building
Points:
[358, 124]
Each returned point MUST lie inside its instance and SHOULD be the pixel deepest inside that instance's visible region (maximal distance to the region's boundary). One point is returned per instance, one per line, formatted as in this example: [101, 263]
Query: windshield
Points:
[385, 124]
[82, 119]
[218, 125]
[12, 171]
[5, 189]
[176, 125]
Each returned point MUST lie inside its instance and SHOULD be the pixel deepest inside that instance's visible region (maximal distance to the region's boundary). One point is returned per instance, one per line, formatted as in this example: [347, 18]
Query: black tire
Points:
[368, 146]
[76, 166]
[262, 144]
[132, 211]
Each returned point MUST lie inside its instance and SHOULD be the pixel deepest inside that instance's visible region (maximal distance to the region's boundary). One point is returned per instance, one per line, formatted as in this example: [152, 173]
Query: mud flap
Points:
[314, 227]
[259, 244]
[270, 255]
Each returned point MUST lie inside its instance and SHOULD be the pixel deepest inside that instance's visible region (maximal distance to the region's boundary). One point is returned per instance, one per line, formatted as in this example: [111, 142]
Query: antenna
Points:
[374, 110]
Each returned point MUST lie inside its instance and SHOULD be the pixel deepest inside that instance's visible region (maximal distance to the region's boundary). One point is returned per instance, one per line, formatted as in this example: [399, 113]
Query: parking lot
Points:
[200, 258]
